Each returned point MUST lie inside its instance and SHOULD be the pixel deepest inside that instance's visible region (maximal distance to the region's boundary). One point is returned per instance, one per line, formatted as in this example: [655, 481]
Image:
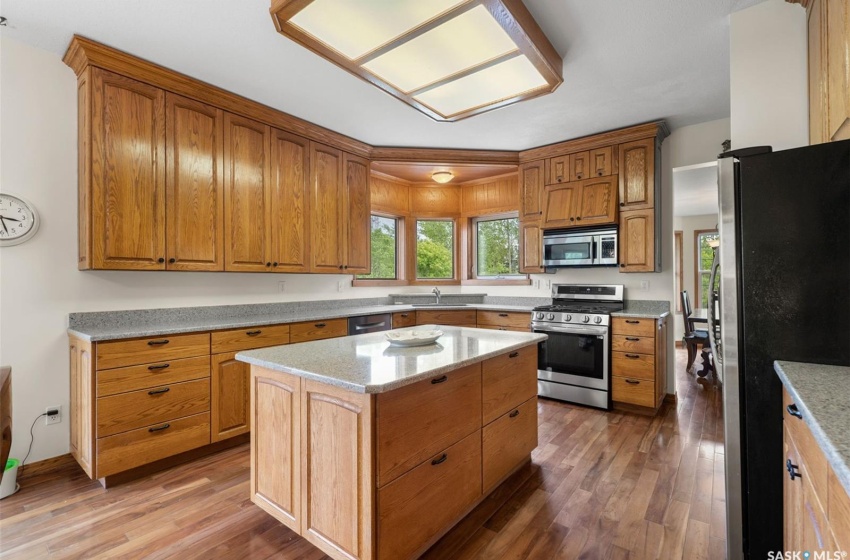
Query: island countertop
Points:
[367, 363]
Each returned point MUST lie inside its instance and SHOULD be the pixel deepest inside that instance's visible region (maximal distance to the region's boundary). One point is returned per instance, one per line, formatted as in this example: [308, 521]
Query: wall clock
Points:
[18, 220]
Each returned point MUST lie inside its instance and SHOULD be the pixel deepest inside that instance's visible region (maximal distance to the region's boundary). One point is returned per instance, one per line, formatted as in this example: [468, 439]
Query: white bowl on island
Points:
[414, 337]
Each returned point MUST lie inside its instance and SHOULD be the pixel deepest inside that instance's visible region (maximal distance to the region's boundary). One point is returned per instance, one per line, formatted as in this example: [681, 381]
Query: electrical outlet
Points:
[281, 287]
[53, 418]
[644, 285]
[548, 284]
[340, 286]
[536, 283]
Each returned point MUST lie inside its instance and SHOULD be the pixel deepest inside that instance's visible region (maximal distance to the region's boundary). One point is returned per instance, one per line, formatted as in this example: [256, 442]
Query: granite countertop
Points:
[820, 393]
[366, 363]
[644, 309]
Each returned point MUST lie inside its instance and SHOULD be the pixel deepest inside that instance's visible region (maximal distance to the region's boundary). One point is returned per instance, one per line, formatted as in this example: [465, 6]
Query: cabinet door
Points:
[602, 162]
[128, 173]
[530, 187]
[637, 174]
[358, 231]
[326, 209]
[246, 202]
[637, 241]
[838, 68]
[531, 245]
[289, 184]
[579, 166]
[230, 401]
[597, 203]
[194, 185]
[817, 72]
[559, 205]
[276, 445]
[558, 170]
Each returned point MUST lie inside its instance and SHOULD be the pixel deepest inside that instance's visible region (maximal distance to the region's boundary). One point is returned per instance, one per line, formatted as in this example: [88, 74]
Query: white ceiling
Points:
[625, 62]
[695, 190]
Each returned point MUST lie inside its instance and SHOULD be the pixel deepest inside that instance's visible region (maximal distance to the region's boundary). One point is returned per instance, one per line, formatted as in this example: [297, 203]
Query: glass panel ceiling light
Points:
[450, 59]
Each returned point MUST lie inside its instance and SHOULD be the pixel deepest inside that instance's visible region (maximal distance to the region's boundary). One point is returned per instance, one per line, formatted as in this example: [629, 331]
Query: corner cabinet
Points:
[358, 217]
[640, 210]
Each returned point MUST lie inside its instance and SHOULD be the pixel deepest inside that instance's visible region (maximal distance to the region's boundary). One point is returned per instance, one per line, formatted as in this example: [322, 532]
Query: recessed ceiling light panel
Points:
[450, 59]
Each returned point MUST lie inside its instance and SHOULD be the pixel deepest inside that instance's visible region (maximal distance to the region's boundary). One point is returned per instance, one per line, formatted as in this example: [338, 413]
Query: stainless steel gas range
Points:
[574, 364]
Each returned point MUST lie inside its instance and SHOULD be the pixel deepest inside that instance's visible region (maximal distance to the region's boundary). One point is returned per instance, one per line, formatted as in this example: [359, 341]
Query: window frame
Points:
[473, 252]
[679, 258]
[400, 254]
[412, 261]
[696, 301]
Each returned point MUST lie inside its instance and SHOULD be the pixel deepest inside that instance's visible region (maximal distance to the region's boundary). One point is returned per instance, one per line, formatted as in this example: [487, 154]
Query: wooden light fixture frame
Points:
[511, 15]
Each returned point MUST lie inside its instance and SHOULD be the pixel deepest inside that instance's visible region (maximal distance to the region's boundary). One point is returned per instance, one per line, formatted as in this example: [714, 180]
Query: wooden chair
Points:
[693, 339]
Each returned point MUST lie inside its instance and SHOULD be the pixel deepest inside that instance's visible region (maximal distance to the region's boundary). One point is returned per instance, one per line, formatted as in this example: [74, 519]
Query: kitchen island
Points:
[374, 452]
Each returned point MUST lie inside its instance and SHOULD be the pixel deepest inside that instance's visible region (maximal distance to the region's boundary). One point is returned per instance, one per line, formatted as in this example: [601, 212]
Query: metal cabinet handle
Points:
[632, 382]
[159, 367]
[172, 260]
[253, 333]
[503, 314]
[160, 260]
[632, 339]
[405, 315]
[441, 379]
[268, 265]
[514, 414]
[159, 428]
[629, 321]
[794, 411]
[632, 356]
[320, 325]
[513, 354]
[792, 470]
[370, 325]
[159, 391]
[157, 342]
[441, 459]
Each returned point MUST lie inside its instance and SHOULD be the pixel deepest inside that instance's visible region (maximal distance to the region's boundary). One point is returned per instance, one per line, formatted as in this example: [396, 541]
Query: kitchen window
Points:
[385, 240]
[435, 249]
[704, 255]
[495, 248]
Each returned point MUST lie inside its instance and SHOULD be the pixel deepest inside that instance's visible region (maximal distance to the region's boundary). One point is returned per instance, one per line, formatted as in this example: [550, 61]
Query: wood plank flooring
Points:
[609, 485]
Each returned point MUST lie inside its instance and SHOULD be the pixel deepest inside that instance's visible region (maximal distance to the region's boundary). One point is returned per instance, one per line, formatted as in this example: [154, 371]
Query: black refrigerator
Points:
[783, 269]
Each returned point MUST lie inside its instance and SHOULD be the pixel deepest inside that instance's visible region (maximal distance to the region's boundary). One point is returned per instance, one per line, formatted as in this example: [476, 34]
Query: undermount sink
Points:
[440, 304]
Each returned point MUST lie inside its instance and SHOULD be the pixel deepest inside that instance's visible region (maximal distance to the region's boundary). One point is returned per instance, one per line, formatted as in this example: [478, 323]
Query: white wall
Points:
[688, 225]
[769, 91]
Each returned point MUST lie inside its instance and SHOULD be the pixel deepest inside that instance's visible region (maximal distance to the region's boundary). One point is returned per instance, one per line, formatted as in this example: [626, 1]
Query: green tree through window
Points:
[384, 241]
[497, 247]
[705, 256]
[435, 249]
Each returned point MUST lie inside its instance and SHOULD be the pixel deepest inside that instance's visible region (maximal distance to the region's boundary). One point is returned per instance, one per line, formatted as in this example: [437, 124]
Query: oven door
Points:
[568, 250]
[574, 355]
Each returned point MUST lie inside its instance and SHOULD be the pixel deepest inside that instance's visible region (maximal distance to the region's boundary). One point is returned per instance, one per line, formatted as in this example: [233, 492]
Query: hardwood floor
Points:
[609, 485]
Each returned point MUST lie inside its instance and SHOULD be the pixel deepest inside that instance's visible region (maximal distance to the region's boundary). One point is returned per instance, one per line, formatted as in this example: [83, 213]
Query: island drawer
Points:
[128, 411]
[121, 353]
[633, 391]
[452, 317]
[134, 378]
[630, 326]
[507, 441]
[418, 420]
[417, 506]
[633, 344]
[404, 319]
[139, 447]
[507, 381]
[504, 319]
[630, 364]
[816, 464]
[317, 330]
[249, 338]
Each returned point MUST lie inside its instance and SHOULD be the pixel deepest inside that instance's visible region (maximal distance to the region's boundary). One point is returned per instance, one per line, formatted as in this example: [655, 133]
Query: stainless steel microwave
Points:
[562, 248]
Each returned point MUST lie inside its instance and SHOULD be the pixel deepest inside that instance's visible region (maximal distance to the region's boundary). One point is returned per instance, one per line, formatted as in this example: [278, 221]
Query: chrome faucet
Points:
[436, 292]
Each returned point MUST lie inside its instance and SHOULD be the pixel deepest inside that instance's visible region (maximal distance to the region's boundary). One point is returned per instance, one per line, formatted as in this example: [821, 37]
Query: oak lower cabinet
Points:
[404, 319]
[639, 362]
[230, 395]
[384, 476]
[504, 320]
[456, 318]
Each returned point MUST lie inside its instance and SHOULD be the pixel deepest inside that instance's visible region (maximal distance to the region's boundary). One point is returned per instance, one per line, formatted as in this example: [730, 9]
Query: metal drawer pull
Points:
[370, 325]
[441, 459]
[159, 367]
[792, 470]
[442, 379]
[632, 339]
[632, 382]
[503, 314]
[632, 356]
[794, 411]
[157, 342]
[514, 414]
[159, 391]
[405, 315]
[159, 428]
[320, 325]
[633, 322]
[254, 333]
[513, 354]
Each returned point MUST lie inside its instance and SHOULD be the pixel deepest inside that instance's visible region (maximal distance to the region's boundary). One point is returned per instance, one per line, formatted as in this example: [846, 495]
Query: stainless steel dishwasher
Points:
[370, 323]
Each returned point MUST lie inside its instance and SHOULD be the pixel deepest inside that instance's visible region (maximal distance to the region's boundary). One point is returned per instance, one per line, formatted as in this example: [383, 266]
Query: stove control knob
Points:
[568, 318]
[540, 315]
[597, 320]
[585, 319]
[551, 316]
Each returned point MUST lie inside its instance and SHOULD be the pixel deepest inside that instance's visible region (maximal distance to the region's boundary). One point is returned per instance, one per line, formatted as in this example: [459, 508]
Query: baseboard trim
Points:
[45, 466]
[671, 399]
[680, 344]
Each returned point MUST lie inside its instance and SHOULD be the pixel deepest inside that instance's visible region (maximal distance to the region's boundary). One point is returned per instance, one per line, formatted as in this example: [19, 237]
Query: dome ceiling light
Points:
[442, 177]
[450, 59]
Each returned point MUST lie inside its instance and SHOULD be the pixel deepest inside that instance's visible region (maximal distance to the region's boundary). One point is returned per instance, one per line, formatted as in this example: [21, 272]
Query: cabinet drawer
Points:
[629, 326]
[122, 353]
[507, 381]
[839, 512]
[504, 319]
[128, 411]
[633, 344]
[507, 441]
[633, 391]
[139, 447]
[134, 378]
[404, 319]
[249, 338]
[416, 421]
[498, 328]
[636, 366]
[413, 509]
[816, 466]
[317, 330]
[463, 318]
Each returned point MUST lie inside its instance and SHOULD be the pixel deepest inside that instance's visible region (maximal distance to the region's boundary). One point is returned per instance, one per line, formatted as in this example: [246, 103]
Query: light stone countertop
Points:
[645, 309]
[820, 393]
[367, 363]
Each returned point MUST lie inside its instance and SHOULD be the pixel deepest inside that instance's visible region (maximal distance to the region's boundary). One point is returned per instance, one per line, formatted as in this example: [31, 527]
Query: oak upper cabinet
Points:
[597, 202]
[557, 170]
[289, 185]
[230, 402]
[194, 185]
[818, 74]
[531, 247]
[838, 68]
[637, 241]
[579, 166]
[637, 174]
[246, 202]
[559, 205]
[603, 162]
[530, 189]
[326, 210]
[357, 209]
[125, 199]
